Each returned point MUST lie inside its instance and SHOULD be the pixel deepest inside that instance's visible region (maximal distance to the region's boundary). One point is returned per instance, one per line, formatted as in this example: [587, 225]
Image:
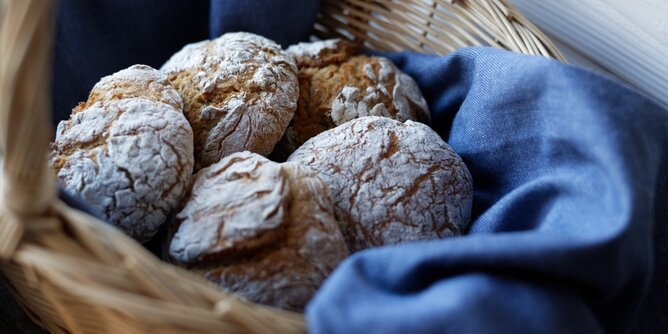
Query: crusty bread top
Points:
[240, 91]
[334, 92]
[263, 230]
[323, 53]
[135, 81]
[130, 159]
[391, 182]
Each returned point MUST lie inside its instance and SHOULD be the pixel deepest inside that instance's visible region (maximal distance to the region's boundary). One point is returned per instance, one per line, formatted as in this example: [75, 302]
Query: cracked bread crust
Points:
[263, 230]
[337, 85]
[130, 159]
[140, 81]
[240, 92]
[397, 182]
[323, 53]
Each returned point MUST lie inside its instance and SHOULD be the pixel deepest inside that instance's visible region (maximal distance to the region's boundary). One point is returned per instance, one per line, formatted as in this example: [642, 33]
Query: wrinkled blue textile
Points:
[569, 176]
[569, 170]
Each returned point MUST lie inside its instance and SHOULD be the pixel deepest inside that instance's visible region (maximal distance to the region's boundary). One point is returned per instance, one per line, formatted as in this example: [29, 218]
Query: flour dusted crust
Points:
[337, 85]
[240, 92]
[135, 81]
[130, 159]
[263, 230]
[391, 182]
[323, 53]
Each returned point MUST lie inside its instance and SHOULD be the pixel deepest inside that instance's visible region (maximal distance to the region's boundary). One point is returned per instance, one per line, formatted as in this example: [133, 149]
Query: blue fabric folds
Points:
[570, 174]
[567, 170]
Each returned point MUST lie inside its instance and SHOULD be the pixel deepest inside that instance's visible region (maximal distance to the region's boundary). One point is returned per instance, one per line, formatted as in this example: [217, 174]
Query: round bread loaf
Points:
[263, 230]
[130, 159]
[391, 182]
[135, 81]
[240, 92]
[337, 85]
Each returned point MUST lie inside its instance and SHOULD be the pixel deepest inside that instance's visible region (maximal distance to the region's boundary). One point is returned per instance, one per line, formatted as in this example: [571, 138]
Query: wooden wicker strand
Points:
[75, 274]
[3, 5]
[433, 26]
[24, 69]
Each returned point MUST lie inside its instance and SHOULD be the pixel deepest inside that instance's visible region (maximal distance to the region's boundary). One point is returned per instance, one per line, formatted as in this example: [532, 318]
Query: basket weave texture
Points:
[74, 274]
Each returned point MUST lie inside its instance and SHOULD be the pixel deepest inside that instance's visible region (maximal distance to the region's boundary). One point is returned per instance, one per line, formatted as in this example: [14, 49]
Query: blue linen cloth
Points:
[569, 171]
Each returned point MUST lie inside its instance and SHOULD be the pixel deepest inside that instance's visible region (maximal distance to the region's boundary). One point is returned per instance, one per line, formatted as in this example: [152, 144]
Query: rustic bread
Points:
[263, 230]
[135, 81]
[337, 84]
[130, 159]
[391, 182]
[240, 92]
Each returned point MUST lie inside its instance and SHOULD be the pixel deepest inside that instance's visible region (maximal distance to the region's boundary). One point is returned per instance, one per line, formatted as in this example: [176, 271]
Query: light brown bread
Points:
[263, 230]
[135, 81]
[337, 85]
[240, 92]
[391, 182]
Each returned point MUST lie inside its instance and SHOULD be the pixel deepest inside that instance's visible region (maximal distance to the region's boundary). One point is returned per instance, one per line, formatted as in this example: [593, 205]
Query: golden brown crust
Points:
[240, 92]
[324, 53]
[336, 85]
[127, 150]
[136, 81]
[263, 230]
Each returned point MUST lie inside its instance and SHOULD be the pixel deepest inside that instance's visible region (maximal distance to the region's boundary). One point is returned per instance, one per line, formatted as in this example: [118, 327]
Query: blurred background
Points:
[623, 38]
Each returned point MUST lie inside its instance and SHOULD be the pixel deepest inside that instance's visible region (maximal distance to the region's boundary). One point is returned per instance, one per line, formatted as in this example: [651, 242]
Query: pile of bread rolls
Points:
[268, 167]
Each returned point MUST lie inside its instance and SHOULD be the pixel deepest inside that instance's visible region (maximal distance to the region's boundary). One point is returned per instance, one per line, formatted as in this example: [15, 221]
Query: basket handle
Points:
[26, 184]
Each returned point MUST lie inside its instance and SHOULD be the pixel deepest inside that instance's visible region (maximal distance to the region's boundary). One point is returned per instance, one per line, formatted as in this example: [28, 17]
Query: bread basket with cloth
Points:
[568, 174]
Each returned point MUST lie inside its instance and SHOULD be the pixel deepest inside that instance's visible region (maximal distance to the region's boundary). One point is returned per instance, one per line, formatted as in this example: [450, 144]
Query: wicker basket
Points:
[74, 274]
